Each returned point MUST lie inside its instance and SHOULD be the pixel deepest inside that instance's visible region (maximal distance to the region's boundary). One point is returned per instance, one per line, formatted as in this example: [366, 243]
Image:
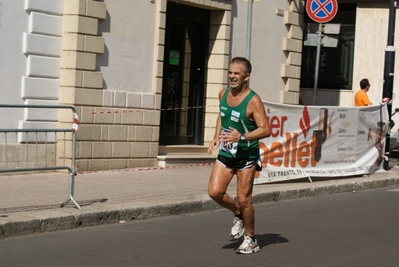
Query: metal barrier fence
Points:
[41, 144]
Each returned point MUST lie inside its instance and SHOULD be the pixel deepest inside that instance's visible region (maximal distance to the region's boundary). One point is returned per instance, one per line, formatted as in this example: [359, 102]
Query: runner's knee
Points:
[216, 193]
[244, 201]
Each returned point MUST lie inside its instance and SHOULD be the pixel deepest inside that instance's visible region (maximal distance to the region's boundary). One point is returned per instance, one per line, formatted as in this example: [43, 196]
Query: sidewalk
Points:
[30, 203]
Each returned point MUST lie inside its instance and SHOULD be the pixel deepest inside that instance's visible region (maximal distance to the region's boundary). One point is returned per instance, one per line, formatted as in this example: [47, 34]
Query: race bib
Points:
[231, 148]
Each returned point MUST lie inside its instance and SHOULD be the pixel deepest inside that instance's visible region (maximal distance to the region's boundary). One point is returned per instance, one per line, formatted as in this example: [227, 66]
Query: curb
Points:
[74, 220]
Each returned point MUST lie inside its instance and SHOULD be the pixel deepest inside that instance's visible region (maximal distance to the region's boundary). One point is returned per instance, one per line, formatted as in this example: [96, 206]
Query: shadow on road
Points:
[263, 241]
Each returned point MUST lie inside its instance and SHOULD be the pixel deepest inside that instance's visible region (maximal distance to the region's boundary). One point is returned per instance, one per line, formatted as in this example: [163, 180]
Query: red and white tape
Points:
[75, 124]
[138, 110]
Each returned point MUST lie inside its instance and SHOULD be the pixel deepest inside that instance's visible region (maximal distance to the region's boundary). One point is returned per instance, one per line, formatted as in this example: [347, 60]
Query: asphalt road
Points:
[351, 229]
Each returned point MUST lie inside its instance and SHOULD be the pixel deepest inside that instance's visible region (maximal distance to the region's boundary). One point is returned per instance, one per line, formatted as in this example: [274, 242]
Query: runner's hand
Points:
[230, 137]
[213, 145]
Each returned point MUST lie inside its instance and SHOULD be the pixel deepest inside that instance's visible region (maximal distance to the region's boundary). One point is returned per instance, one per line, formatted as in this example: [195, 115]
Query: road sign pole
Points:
[320, 12]
[249, 29]
[316, 71]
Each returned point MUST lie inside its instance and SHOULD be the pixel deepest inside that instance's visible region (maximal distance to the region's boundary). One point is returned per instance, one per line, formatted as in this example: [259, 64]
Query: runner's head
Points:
[243, 61]
[239, 72]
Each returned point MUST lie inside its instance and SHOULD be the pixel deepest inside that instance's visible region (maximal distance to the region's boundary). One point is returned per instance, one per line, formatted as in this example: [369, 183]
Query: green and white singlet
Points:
[236, 117]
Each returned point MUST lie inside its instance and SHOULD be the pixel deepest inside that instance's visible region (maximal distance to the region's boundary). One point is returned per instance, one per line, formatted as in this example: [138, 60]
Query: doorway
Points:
[183, 84]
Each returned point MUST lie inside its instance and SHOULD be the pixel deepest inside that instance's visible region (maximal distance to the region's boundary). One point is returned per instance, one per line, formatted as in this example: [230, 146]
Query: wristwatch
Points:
[242, 138]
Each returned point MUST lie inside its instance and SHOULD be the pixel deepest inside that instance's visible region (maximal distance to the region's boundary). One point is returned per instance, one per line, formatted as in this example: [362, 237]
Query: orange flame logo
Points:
[304, 122]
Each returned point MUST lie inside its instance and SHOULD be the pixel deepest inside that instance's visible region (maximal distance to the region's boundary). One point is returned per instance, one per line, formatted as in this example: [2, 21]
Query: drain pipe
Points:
[389, 68]
[249, 29]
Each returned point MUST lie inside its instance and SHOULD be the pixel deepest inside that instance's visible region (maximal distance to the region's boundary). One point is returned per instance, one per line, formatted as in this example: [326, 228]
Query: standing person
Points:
[361, 98]
[241, 123]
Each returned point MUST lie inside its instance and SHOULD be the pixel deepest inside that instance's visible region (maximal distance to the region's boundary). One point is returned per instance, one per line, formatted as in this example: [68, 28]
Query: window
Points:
[336, 63]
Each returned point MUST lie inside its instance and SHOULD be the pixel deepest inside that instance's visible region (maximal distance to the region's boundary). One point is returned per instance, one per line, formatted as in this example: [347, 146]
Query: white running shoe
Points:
[248, 246]
[238, 228]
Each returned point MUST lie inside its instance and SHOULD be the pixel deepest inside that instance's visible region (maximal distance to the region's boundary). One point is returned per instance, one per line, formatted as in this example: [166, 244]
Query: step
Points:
[182, 149]
[184, 159]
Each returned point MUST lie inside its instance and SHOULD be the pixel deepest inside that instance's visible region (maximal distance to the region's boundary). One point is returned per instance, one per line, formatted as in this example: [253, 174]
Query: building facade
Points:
[145, 74]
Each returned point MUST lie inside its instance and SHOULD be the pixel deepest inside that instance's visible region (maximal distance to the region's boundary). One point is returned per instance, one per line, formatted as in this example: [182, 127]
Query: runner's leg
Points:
[217, 187]
[245, 181]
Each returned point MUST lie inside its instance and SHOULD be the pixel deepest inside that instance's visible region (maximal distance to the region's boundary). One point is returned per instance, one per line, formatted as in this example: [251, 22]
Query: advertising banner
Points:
[315, 141]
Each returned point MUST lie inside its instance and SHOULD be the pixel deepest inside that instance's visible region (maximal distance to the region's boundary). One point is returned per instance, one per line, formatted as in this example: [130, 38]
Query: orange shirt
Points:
[361, 99]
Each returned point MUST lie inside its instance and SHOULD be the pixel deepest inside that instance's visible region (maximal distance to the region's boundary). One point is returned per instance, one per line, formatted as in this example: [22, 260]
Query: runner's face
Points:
[237, 75]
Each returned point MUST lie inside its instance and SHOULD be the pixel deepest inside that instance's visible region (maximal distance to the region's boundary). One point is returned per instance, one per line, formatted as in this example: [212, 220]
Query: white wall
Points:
[370, 44]
[267, 55]
[13, 23]
[30, 49]
[129, 32]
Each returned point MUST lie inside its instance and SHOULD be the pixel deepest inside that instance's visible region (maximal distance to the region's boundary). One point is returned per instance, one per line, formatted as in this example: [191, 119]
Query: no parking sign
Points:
[321, 11]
